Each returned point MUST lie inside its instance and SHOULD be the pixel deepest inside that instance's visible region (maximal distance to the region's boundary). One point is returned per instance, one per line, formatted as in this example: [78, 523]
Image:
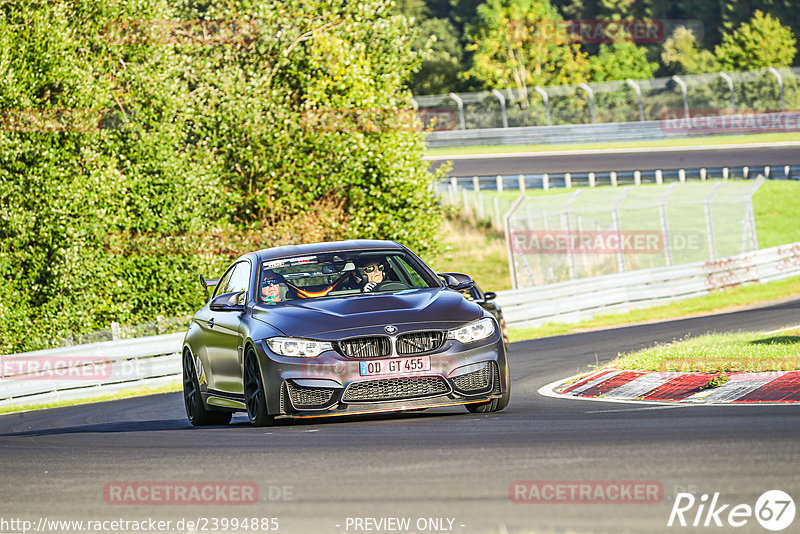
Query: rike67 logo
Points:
[774, 510]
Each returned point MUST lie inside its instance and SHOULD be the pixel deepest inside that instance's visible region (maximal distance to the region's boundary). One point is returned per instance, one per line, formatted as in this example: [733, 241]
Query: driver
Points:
[373, 274]
[271, 286]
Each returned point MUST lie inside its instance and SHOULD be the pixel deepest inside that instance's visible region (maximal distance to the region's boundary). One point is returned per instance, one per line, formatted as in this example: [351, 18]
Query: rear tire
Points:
[196, 410]
[254, 393]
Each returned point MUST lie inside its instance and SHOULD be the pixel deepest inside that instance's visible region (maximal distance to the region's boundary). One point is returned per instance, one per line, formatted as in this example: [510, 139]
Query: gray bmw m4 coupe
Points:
[340, 328]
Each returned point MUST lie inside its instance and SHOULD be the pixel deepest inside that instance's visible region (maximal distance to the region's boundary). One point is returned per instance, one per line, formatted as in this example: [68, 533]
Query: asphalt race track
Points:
[654, 158]
[442, 463]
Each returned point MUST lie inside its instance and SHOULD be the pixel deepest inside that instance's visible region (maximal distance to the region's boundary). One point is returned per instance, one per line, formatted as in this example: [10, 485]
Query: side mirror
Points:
[227, 302]
[489, 295]
[208, 283]
[457, 281]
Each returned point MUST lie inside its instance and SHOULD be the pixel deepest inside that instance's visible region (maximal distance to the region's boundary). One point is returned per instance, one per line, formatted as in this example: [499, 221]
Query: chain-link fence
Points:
[771, 90]
[592, 232]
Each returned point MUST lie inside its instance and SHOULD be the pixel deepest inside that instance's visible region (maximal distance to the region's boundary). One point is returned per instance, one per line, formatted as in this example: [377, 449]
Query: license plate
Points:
[395, 366]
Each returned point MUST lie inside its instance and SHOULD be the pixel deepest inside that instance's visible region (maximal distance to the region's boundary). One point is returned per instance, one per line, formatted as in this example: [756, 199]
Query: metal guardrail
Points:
[92, 370]
[581, 299]
[606, 132]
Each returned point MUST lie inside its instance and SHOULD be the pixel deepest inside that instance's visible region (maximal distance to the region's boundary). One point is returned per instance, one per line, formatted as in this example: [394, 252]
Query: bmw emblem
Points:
[390, 329]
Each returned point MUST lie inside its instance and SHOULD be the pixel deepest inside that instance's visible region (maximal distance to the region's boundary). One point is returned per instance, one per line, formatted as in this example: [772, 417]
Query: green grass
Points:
[777, 212]
[693, 141]
[170, 388]
[720, 353]
[716, 302]
[477, 251]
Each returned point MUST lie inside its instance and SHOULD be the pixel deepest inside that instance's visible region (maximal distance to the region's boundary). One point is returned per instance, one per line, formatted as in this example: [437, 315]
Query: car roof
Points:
[325, 247]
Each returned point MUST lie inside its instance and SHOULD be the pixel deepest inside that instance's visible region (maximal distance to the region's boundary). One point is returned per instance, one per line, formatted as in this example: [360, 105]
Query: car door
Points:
[224, 339]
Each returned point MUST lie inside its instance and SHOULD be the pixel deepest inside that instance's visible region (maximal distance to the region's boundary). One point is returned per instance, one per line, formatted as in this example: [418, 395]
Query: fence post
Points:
[777, 75]
[712, 249]
[613, 176]
[682, 85]
[502, 101]
[730, 89]
[618, 228]
[499, 181]
[592, 180]
[659, 177]
[746, 172]
[460, 104]
[546, 182]
[521, 182]
[637, 177]
[703, 174]
[464, 202]
[682, 175]
[590, 93]
[568, 180]
[116, 333]
[638, 91]
[665, 225]
[724, 173]
[546, 101]
[497, 218]
[453, 187]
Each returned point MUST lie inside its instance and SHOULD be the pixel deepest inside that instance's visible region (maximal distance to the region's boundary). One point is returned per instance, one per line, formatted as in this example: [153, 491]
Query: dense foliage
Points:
[144, 142]
[473, 46]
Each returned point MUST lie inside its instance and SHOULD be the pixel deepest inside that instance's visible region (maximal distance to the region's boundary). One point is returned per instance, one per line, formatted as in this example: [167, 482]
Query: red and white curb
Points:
[612, 384]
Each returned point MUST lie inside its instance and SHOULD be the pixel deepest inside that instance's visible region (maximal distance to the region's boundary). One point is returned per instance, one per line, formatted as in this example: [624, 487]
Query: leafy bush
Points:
[146, 141]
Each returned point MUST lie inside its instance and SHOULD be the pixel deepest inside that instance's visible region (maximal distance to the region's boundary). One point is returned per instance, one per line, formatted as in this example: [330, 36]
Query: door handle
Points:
[211, 323]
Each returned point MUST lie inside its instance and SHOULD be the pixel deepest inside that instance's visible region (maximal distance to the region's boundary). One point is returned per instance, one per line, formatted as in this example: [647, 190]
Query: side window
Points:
[411, 274]
[223, 283]
[240, 280]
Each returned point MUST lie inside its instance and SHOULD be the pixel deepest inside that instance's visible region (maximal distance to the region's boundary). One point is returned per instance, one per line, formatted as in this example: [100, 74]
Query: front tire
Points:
[254, 394]
[196, 410]
[494, 405]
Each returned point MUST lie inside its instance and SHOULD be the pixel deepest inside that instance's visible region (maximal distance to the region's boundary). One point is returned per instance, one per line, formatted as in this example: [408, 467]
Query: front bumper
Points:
[332, 384]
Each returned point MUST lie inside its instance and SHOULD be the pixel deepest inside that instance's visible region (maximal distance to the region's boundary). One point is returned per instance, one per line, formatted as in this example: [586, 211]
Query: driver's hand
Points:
[369, 287]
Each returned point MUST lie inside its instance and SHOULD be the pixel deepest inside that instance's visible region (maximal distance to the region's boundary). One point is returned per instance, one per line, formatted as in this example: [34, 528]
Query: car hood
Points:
[315, 317]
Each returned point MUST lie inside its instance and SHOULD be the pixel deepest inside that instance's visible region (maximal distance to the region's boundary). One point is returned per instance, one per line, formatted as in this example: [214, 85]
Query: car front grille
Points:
[303, 397]
[496, 389]
[365, 347]
[418, 342]
[396, 388]
[479, 380]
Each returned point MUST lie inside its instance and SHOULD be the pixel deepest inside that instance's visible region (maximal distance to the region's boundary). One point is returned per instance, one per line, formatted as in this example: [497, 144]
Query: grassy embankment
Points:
[720, 353]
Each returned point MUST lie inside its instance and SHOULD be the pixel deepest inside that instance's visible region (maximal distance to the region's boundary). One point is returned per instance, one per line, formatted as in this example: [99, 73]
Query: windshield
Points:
[340, 274]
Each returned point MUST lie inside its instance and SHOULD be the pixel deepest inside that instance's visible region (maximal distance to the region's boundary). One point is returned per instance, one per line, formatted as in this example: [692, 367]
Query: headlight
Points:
[473, 331]
[297, 348]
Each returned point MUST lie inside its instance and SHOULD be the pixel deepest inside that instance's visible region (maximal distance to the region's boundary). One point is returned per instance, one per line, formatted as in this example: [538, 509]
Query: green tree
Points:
[760, 43]
[514, 46]
[683, 55]
[621, 60]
